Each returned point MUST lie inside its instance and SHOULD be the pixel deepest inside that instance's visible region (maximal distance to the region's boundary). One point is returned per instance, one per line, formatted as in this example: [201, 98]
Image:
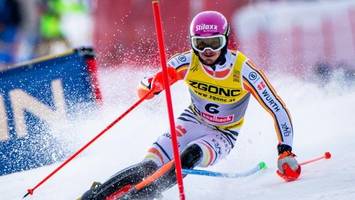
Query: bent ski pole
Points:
[326, 155]
[259, 167]
[30, 191]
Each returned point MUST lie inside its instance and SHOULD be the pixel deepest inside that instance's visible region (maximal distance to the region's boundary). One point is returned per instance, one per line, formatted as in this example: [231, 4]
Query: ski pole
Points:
[31, 190]
[260, 166]
[326, 155]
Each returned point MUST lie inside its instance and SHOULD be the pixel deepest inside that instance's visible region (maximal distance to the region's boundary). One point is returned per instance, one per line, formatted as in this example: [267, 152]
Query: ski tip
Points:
[327, 155]
[262, 165]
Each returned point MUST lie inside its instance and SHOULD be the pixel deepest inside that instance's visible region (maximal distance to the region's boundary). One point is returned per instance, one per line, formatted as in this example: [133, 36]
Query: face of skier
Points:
[209, 56]
[209, 48]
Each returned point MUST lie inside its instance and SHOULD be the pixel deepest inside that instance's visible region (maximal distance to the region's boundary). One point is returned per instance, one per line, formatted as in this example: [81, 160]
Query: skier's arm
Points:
[258, 85]
[177, 68]
[155, 82]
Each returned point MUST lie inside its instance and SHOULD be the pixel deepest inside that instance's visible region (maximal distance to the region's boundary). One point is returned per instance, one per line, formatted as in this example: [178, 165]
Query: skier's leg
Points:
[188, 129]
[203, 152]
[131, 175]
[190, 158]
[160, 153]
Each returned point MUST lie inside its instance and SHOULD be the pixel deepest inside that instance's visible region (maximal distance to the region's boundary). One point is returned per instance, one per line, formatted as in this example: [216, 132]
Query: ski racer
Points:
[220, 82]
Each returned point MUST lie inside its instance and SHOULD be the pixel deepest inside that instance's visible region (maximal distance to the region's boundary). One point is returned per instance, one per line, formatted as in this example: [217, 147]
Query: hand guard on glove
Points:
[288, 167]
[155, 84]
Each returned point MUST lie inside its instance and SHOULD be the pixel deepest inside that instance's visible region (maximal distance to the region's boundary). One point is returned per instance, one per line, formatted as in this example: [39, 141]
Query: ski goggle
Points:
[214, 43]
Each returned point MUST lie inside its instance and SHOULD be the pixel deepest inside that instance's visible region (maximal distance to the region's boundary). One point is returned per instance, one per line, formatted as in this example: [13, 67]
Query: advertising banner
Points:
[36, 95]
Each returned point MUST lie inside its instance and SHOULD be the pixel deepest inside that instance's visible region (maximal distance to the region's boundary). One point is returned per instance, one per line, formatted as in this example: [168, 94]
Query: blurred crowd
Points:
[33, 28]
[341, 71]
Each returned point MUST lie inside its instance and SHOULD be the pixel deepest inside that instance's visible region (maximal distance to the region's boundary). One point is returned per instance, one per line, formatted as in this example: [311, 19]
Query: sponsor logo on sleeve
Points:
[182, 58]
[261, 85]
[253, 77]
[270, 100]
[286, 130]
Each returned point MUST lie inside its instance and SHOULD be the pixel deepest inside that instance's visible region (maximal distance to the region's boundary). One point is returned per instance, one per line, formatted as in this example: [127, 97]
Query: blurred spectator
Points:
[348, 72]
[52, 39]
[350, 76]
[10, 21]
[323, 72]
[340, 71]
[29, 32]
[33, 28]
[54, 34]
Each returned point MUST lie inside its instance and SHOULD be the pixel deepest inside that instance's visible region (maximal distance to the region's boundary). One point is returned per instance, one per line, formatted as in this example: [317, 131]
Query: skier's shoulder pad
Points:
[180, 59]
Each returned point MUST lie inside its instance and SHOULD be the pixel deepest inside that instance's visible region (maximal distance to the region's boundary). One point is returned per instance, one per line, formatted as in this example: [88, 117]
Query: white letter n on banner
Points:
[21, 102]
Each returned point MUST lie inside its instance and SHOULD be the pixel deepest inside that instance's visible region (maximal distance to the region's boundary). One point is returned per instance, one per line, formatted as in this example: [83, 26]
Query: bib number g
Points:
[212, 108]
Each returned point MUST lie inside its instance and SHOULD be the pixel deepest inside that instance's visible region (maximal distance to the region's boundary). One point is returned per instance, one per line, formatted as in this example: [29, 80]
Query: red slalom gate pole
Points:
[30, 191]
[326, 155]
[160, 37]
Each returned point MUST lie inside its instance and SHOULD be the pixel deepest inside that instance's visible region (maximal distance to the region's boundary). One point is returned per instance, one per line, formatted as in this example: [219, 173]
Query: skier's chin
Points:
[209, 59]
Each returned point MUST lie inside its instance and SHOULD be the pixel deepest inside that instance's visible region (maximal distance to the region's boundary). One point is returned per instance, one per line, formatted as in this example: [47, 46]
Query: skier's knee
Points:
[208, 155]
[191, 156]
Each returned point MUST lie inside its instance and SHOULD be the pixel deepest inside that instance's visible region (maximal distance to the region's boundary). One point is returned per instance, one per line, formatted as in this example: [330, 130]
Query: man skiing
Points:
[220, 82]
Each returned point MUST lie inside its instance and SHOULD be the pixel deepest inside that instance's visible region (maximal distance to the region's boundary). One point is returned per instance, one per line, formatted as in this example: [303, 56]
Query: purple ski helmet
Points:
[209, 23]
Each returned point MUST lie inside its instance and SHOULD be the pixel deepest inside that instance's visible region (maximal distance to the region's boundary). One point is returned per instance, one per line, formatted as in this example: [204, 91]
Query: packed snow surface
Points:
[323, 119]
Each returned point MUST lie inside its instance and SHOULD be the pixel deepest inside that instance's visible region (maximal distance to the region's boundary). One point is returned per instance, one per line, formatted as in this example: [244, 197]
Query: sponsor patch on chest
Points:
[214, 89]
[217, 119]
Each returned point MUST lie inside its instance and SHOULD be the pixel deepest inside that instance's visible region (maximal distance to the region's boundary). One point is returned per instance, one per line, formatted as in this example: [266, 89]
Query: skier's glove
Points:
[155, 83]
[288, 167]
